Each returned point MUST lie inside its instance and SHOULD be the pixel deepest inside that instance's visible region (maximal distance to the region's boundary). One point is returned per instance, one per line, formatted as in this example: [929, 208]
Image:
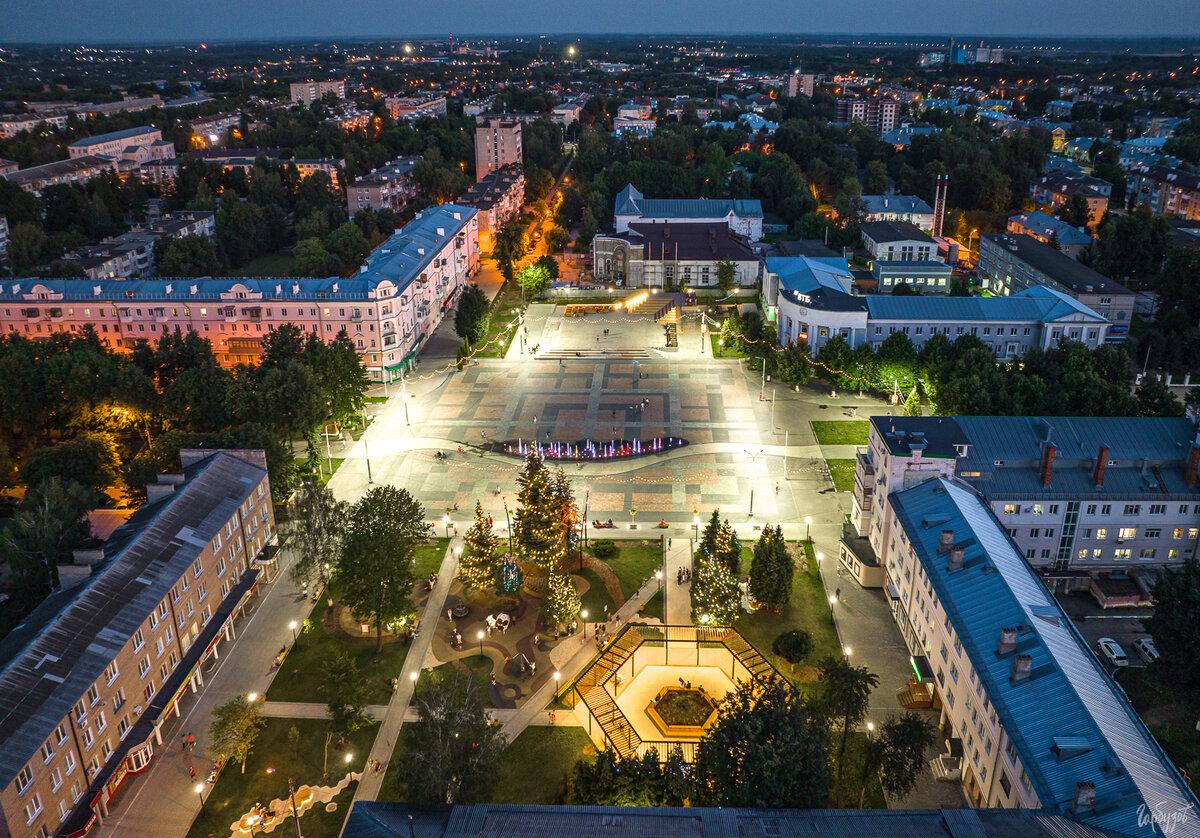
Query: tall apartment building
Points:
[880, 115]
[1166, 191]
[497, 144]
[307, 92]
[798, 83]
[3, 236]
[1012, 262]
[133, 145]
[389, 187]
[1029, 715]
[388, 309]
[91, 676]
[1083, 499]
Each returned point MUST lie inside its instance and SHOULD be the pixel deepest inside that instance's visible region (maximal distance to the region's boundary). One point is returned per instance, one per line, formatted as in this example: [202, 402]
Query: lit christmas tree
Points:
[479, 562]
[568, 510]
[509, 575]
[538, 536]
[728, 550]
[561, 602]
[708, 540]
[715, 594]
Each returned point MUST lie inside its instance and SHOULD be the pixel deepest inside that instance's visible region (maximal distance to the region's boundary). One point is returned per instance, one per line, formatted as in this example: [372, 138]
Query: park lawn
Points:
[841, 433]
[654, 608]
[535, 766]
[278, 263]
[376, 399]
[807, 610]
[235, 792]
[634, 563]
[429, 557]
[1165, 715]
[596, 596]
[719, 351]
[842, 474]
[480, 668]
[326, 475]
[299, 679]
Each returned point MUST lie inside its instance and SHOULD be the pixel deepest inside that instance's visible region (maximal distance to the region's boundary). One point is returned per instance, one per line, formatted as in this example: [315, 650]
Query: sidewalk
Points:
[389, 730]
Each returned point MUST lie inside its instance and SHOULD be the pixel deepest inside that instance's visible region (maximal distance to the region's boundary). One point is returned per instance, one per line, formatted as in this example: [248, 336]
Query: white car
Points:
[1112, 650]
[1144, 646]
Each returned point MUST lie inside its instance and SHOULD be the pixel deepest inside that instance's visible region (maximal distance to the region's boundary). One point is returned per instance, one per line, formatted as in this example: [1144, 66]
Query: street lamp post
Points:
[808, 528]
[753, 460]
[480, 636]
[292, 626]
[587, 499]
[367, 456]
[762, 387]
[200, 791]
[583, 616]
[446, 521]
[507, 523]
[404, 394]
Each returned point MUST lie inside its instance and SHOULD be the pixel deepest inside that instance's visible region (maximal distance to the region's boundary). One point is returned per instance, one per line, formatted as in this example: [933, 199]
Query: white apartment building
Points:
[307, 92]
[1030, 717]
[1091, 502]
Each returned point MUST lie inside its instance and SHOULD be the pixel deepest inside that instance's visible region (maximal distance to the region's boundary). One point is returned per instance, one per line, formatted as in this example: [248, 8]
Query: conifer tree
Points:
[479, 561]
[568, 510]
[708, 540]
[562, 601]
[728, 550]
[771, 570]
[715, 593]
[537, 523]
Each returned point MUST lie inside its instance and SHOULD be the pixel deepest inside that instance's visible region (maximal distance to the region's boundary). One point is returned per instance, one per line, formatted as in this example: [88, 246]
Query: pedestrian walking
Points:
[183, 742]
[668, 544]
[551, 717]
[191, 742]
[191, 772]
[837, 594]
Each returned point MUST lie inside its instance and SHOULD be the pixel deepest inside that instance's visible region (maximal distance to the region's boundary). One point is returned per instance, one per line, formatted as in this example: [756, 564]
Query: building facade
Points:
[307, 92]
[919, 277]
[497, 144]
[744, 217]
[907, 208]
[75, 170]
[1081, 498]
[1057, 188]
[1014, 262]
[1029, 715]
[1166, 191]
[389, 187]
[132, 146]
[1050, 230]
[1009, 326]
[880, 115]
[132, 254]
[388, 309]
[896, 241]
[496, 198]
[795, 84]
[89, 679]
[671, 256]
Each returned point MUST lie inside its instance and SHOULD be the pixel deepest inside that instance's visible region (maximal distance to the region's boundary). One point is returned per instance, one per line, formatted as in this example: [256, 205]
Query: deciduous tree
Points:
[234, 728]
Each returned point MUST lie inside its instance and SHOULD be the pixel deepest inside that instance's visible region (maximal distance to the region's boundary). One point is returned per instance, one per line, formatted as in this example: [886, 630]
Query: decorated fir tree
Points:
[715, 594]
[771, 570]
[561, 602]
[728, 550]
[538, 537]
[479, 561]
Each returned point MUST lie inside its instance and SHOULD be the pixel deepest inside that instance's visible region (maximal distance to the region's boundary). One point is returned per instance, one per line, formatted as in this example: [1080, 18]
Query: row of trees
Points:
[716, 597]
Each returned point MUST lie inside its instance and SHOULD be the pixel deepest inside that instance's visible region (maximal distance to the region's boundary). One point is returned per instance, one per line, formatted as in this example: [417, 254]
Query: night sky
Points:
[198, 20]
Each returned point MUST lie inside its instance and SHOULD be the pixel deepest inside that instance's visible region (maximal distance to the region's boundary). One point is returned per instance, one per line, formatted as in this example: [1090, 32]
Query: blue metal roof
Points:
[125, 134]
[1044, 225]
[808, 273]
[1068, 693]
[1033, 304]
[877, 204]
[629, 201]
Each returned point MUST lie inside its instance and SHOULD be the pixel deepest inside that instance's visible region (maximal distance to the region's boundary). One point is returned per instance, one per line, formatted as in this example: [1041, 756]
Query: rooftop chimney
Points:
[1085, 798]
[946, 541]
[1047, 470]
[1193, 466]
[1022, 664]
[956, 558]
[1101, 465]
[157, 491]
[1008, 641]
[70, 575]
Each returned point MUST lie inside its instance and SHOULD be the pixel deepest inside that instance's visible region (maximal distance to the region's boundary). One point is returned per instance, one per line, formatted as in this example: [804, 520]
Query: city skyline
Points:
[142, 21]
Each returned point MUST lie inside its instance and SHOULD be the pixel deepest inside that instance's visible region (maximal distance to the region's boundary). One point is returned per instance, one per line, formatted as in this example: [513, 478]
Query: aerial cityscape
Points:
[600, 421]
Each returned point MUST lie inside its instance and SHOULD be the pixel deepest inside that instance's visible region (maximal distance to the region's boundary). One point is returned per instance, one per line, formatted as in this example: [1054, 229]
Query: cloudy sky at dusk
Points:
[185, 20]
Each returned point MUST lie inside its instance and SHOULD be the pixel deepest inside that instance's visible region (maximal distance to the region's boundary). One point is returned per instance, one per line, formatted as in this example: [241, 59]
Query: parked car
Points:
[1112, 650]
[1144, 646]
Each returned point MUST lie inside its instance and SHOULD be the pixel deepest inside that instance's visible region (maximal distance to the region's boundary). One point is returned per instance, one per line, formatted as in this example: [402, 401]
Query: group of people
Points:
[263, 813]
[684, 575]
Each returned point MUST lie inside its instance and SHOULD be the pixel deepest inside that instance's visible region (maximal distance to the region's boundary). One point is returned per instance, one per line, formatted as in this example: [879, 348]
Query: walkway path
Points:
[385, 740]
[569, 664]
[677, 609]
